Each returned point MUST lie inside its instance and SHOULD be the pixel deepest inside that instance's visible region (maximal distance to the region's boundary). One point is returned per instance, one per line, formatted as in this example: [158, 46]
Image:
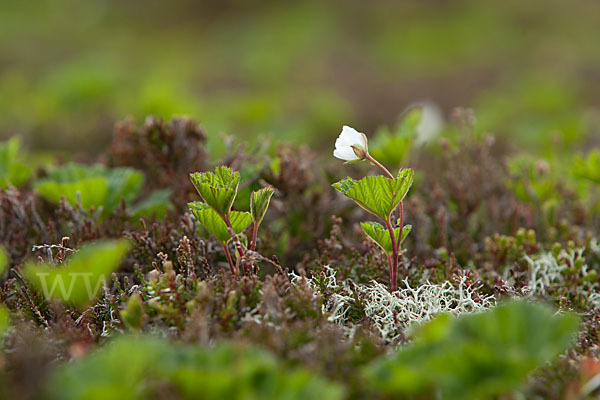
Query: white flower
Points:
[351, 145]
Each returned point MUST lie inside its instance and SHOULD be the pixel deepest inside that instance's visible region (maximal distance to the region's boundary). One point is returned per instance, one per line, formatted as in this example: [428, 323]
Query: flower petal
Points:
[346, 154]
[351, 136]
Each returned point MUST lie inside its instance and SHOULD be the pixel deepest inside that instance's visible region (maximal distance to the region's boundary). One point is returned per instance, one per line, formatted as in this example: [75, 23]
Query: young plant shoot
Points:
[218, 191]
[379, 195]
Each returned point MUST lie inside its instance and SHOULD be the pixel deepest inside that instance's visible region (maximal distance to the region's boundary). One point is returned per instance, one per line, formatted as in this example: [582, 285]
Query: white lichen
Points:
[547, 271]
[544, 271]
[393, 313]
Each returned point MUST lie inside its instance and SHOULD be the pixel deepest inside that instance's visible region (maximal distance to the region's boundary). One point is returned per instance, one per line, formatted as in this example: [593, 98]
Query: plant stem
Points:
[238, 246]
[229, 260]
[254, 236]
[401, 219]
[253, 241]
[377, 163]
[391, 271]
[394, 258]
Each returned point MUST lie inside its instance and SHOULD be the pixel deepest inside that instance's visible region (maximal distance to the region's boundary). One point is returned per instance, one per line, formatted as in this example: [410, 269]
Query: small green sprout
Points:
[218, 191]
[378, 195]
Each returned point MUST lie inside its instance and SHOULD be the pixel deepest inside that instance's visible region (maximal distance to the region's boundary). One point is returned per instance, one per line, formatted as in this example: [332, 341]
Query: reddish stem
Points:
[253, 241]
[237, 243]
[377, 163]
[254, 236]
[394, 258]
[229, 260]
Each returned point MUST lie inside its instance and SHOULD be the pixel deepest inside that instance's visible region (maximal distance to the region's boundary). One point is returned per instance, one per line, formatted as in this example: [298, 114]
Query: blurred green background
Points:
[298, 70]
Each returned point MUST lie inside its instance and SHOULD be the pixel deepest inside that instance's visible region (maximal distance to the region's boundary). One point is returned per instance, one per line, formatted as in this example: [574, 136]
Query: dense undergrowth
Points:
[493, 236]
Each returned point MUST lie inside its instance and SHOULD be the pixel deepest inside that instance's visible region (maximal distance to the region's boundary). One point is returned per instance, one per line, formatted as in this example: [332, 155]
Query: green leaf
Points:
[259, 202]
[97, 185]
[215, 224]
[381, 235]
[81, 279]
[157, 203]
[91, 191]
[123, 183]
[475, 356]
[378, 195]
[217, 189]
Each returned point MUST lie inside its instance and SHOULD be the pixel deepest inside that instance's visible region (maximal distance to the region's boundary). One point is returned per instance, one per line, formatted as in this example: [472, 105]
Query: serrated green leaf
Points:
[378, 195]
[217, 189]
[80, 280]
[240, 220]
[259, 202]
[216, 225]
[381, 235]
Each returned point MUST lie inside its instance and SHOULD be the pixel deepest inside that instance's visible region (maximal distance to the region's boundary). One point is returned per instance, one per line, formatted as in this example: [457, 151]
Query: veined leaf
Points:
[216, 225]
[218, 189]
[79, 282]
[259, 202]
[381, 235]
[378, 195]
